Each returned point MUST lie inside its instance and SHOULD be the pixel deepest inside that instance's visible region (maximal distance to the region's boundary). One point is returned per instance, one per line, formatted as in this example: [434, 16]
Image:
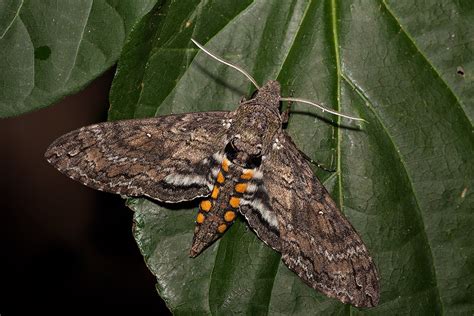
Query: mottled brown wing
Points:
[167, 158]
[317, 241]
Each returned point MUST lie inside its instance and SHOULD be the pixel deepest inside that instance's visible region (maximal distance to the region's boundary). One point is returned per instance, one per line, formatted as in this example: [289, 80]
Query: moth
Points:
[239, 162]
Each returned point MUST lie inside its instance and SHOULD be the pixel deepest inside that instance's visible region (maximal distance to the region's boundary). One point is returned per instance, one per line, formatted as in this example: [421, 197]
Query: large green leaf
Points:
[404, 179]
[49, 49]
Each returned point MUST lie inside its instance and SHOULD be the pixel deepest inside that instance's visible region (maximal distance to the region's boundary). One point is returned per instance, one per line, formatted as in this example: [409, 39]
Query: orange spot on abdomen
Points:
[240, 187]
[221, 228]
[225, 165]
[234, 202]
[200, 218]
[220, 177]
[206, 205]
[247, 175]
[229, 216]
[215, 192]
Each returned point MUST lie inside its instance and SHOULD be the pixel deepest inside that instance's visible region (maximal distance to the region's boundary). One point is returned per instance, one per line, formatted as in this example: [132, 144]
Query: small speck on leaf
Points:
[463, 193]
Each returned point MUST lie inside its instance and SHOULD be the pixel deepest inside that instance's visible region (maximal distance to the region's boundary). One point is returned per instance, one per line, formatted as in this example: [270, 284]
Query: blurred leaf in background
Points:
[404, 180]
[50, 49]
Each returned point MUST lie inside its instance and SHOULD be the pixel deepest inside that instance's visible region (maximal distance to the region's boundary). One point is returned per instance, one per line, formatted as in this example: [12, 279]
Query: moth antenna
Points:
[322, 108]
[225, 62]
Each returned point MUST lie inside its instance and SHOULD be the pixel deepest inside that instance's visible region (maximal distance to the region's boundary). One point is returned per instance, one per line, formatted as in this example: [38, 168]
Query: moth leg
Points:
[316, 163]
[285, 116]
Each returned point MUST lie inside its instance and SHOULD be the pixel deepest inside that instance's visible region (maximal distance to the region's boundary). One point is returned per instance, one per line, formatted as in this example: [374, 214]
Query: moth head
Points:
[269, 93]
[244, 153]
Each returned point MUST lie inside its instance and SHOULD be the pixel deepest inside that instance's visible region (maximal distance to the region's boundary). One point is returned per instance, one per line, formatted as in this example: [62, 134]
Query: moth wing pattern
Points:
[317, 241]
[167, 158]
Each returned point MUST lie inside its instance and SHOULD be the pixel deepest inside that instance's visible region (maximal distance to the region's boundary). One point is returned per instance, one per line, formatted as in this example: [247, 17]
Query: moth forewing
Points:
[144, 157]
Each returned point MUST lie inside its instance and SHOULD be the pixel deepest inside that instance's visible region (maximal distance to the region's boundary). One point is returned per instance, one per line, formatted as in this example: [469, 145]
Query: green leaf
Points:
[50, 49]
[404, 180]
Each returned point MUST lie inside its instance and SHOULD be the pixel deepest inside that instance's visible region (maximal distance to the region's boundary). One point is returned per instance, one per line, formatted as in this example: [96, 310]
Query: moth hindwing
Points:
[233, 162]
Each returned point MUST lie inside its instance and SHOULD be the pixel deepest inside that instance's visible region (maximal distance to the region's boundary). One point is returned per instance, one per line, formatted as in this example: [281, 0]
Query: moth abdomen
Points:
[218, 211]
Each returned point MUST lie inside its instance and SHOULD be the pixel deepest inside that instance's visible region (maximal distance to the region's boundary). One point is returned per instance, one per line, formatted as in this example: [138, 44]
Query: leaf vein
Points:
[410, 181]
[418, 49]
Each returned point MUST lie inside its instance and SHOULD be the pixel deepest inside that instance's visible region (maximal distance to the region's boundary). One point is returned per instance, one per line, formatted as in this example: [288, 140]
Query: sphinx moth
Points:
[238, 162]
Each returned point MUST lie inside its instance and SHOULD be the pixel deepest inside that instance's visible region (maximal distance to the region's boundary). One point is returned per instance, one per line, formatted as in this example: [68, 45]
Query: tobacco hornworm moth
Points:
[235, 162]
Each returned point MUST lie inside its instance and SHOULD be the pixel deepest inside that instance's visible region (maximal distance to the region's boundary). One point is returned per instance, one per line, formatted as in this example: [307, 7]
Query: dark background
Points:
[65, 249]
